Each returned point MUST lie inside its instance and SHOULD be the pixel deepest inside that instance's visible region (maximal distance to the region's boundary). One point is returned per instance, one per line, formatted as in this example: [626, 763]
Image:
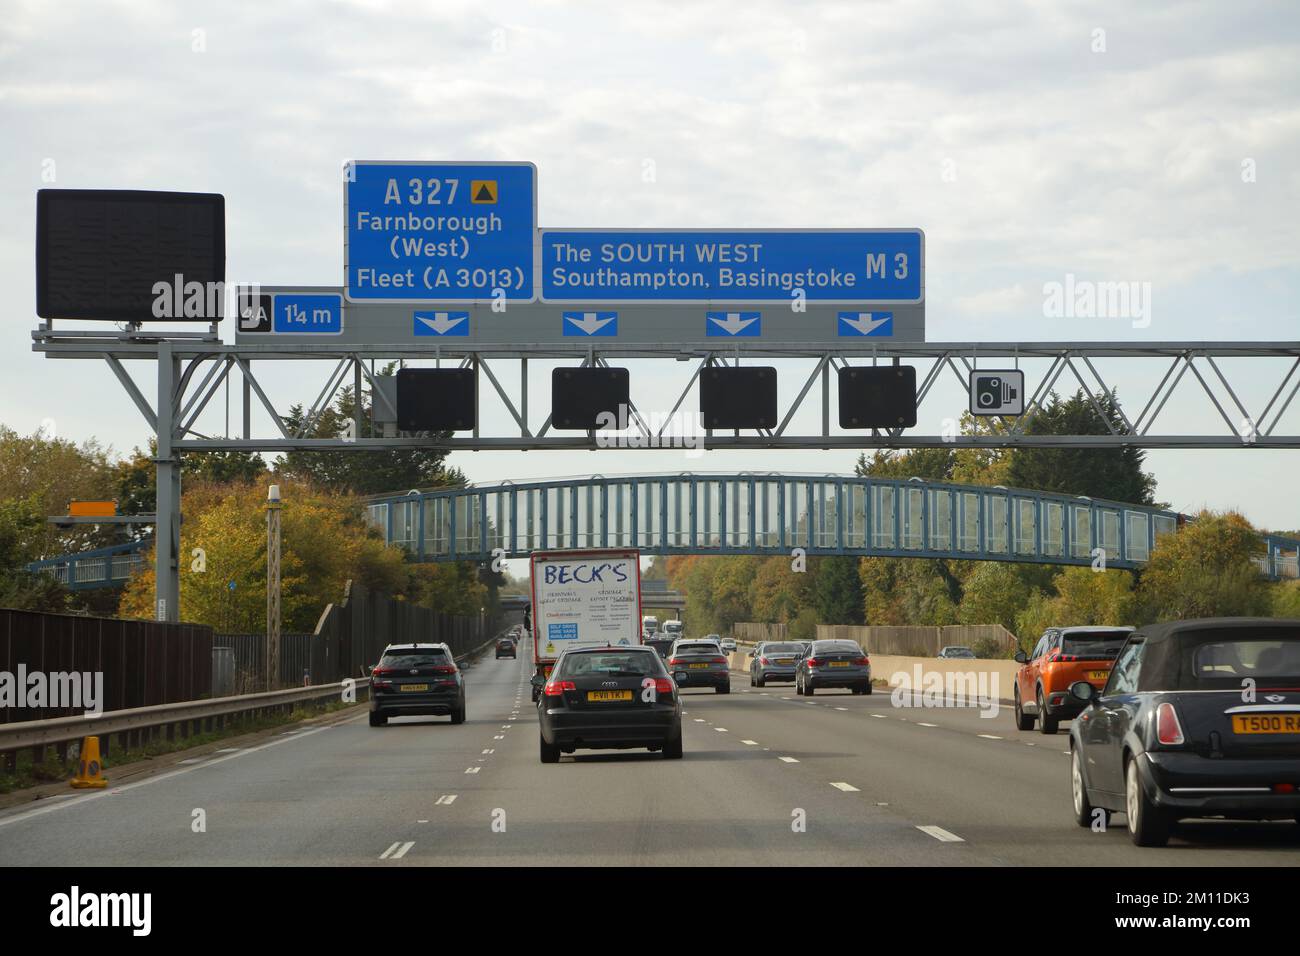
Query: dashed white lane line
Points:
[489, 750]
[989, 736]
[721, 730]
[841, 708]
[499, 737]
[446, 800]
[397, 851]
[940, 834]
[421, 821]
[698, 720]
[921, 724]
[846, 787]
[787, 759]
[473, 769]
[505, 726]
[881, 716]
[751, 743]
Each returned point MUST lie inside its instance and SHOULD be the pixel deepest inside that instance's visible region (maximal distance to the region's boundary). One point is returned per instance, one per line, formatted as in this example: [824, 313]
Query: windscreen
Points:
[1101, 645]
[1261, 658]
[697, 649]
[611, 663]
[782, 649]
[416, 658]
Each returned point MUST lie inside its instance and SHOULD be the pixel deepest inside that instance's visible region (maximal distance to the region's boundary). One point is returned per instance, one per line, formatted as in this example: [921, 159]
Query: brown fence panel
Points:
[141, 662]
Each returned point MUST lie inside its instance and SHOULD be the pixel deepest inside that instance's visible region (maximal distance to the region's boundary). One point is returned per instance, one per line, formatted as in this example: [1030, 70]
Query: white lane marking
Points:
[193, 760]
[385, 854]
[788, 759]
[1028, 744]
[698, 720]
[446, 800]
[752, 743]
[721, 730]
[787, 698]
[505, 726]
[473, 769]
[940, 834]
[499, 737]
[846, 787]
[922, 724]
[841, 708]
[989, 736]
[881, 716]
[403, 851]
[421, 821]
[489, 750]
[231, 753]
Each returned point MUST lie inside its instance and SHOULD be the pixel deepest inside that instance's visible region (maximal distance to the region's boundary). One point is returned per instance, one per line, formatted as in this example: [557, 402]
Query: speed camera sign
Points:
[997, 392]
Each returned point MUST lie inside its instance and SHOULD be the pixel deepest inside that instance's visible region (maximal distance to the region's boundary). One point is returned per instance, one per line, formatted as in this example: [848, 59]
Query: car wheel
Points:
[760, 682]
[1147, 824]
[868, 689]
[1084, 811]
[458, 715]
[1046, 725]
[1023, 720]
[377, 720]
[723, 688]
[807, 688]
[549, 753]
[673, 747]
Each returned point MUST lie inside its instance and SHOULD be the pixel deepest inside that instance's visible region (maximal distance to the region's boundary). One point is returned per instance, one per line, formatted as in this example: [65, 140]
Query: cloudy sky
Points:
[1147, 143]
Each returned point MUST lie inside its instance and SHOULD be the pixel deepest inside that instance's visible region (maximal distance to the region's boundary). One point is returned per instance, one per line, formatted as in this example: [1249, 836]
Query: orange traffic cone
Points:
[90, 775]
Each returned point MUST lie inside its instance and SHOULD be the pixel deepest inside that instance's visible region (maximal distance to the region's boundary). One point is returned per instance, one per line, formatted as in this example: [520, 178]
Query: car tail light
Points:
[763, 660]
[445, 670]
[673, 661]
[1168, 730]
[813, 662]
[663, 685]
[378, 678]
[862, 661]
[554, 688]
[718, 660]
[1284, 788]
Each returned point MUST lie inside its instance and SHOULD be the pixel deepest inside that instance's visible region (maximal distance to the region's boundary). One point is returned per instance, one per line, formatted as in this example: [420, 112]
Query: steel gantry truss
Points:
[191, 368]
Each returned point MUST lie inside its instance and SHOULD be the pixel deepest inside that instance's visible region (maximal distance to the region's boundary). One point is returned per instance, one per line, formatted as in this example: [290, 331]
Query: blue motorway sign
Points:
[876, 324]
[590, 324]
[322, 314]
[439, 232]
[748, 265]
[441, 323]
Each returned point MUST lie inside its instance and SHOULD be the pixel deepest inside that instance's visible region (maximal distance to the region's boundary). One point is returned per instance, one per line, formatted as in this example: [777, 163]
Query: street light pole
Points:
[272, 586]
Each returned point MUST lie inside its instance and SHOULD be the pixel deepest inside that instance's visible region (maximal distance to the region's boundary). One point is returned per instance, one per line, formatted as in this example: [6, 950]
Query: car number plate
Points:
[415, 687]
[697, 666]
[785, 660]
[839, 663]
[605, 695]
[1098, 675]
[1266, 723]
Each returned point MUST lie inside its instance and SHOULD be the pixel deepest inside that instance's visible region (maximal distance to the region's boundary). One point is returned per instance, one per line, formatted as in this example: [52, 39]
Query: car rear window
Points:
[1253, 657]
[783, 649]
[1102, 644]
[630, 663]
[709, 648]
[408, 659]
[836, 647]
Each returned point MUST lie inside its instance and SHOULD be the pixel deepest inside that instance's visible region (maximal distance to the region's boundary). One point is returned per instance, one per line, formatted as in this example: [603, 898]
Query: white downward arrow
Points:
[864, 323]
[733, 323]
[590, 322]
[441, 322]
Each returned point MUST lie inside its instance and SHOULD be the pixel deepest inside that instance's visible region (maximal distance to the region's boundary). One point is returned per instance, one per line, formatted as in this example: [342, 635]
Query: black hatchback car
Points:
[609, 698]
[1197, 719]
[415, 679]
[506, 648]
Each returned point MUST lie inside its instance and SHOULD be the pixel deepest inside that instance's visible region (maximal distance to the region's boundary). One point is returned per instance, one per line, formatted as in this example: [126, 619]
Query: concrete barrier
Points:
[887, 666]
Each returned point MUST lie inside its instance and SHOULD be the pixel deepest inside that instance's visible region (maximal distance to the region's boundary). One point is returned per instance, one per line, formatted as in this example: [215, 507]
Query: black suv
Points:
[414, 679]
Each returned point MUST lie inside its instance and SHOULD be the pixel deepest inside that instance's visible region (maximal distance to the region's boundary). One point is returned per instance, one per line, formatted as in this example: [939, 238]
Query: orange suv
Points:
[1062, 656]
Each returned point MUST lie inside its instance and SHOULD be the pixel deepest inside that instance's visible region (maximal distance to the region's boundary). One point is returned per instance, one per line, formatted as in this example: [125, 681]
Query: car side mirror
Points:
[1020, 657]
[1082, 690]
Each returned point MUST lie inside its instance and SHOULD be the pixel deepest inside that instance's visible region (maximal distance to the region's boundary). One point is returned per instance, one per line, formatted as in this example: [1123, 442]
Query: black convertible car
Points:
[1198, 719]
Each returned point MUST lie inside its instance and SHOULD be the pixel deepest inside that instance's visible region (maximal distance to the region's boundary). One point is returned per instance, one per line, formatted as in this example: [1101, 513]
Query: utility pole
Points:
[272, 586]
